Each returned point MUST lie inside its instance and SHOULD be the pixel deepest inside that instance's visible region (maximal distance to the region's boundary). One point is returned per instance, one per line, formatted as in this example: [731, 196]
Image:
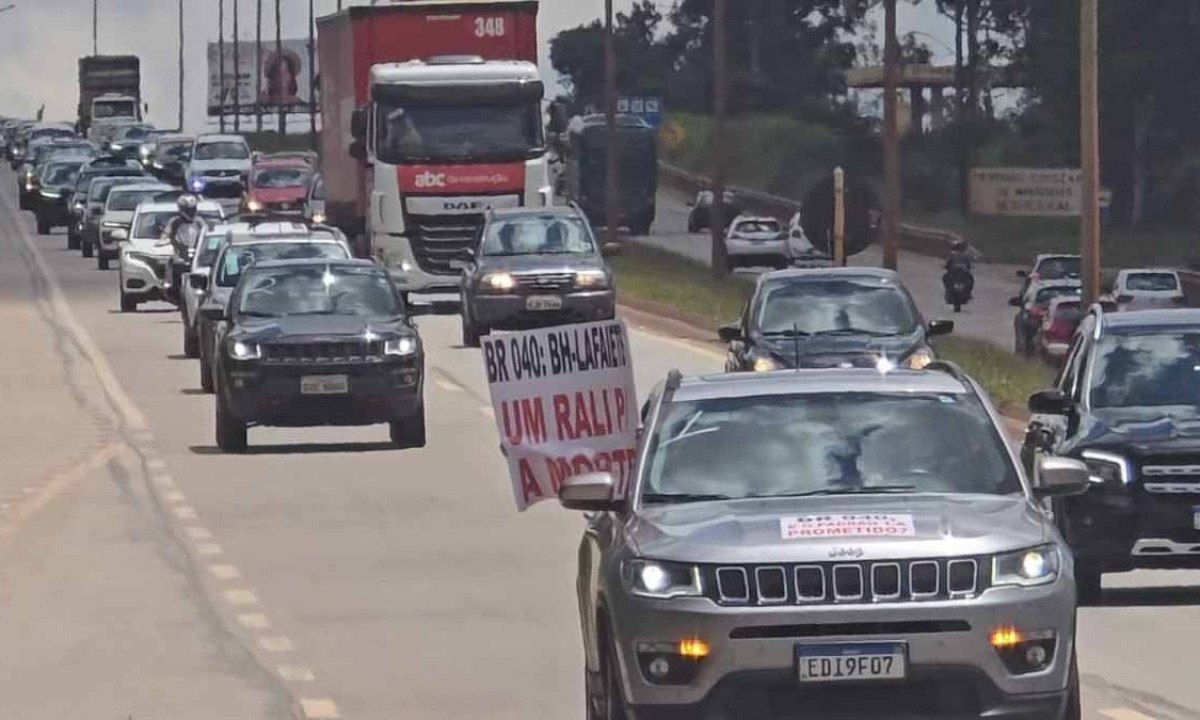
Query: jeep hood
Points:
[752, 531]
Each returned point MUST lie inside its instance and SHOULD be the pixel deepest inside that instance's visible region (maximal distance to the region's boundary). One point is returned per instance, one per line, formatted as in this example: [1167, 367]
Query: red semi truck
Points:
[431, 114]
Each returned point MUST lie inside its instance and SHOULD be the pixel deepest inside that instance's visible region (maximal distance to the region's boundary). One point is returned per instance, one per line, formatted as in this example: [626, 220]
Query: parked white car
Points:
[803, 252]
[1147, 289]
[754, 241]
[117, 218]
[145, 259]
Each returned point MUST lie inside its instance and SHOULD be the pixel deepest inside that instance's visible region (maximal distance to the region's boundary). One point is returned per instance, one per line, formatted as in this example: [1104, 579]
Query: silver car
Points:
[864, 542]
[757, 242]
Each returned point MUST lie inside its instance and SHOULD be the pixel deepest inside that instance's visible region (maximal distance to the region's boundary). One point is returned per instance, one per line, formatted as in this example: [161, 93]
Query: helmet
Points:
[187, 205]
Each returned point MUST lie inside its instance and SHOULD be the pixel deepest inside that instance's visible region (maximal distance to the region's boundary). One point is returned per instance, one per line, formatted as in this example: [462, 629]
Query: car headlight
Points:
[920, 360]
[197, 185]
[116, 147]
[254, 205]
[764, 363]
[240, 350]
[401, 347]
[1026, 568]
[1107, 468]
[655, 579]
[318, 218]
[498, 282]
[591, 279]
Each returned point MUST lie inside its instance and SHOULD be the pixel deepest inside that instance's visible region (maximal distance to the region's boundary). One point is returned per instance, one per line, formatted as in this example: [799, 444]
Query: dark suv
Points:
[318, 342]
[1125, 403]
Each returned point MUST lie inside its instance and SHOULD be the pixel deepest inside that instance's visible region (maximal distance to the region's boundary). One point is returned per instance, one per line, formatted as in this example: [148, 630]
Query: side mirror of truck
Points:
[358, 123]
[358, 151]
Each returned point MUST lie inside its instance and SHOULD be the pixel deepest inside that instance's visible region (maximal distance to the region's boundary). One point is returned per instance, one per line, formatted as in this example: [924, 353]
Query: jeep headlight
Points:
[765, 363]
[401, 347]
[1026, 568]
[1105, 468]
[655, 579]
[498, 282]
[919, 360]
[591, 279]
[240, 350]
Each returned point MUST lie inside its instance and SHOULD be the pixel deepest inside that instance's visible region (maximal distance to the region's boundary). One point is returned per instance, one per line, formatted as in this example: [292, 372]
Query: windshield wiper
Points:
[861, 490]
[681, 497]
[786, 333]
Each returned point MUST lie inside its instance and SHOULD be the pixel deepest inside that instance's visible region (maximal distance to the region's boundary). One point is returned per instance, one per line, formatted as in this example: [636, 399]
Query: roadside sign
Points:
[649, 109]
[565, 405]
[1051, 192]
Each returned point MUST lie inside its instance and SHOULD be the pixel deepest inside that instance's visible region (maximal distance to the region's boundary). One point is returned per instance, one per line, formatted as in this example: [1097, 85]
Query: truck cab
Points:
[110, 112]
[446, 139]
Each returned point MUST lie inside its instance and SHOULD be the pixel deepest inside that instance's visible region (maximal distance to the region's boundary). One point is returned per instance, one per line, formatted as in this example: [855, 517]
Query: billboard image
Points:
[272, 80]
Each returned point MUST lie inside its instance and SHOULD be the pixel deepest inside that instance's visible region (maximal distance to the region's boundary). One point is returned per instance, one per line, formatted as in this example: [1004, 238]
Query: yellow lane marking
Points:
[447, 386]
[254, 621]
[1124, 714]
[319, 709]
[185, 512]
[240, 597]
[163, 480]
[156, 464]
[277, 644]
[225, 572]
[296, 673]
[175, 497]
[197, 533]
[208, 549]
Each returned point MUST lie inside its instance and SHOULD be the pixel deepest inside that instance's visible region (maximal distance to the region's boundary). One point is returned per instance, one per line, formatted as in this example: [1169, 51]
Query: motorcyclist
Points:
[182, 232]
[960, 262]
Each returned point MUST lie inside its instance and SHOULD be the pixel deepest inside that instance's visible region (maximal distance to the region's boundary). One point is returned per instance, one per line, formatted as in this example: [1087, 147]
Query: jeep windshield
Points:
[546, 235]
[458, 133]
[1157, 370]
[825, 444]
[237, 258]
[319, 290]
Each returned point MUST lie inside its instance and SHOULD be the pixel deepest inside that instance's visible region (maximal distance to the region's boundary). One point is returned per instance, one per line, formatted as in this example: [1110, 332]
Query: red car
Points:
[278, 186]
[1061, 319]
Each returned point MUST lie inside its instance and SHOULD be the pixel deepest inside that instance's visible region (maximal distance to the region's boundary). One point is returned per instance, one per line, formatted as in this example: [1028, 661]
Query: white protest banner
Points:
[565, 405]
[836, 525]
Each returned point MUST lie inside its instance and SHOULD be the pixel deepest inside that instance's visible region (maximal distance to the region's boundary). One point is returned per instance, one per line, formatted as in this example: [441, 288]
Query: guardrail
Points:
[913, 238]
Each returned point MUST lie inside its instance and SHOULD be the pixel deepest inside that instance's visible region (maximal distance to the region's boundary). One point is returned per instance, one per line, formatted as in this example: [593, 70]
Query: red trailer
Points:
[350, 42]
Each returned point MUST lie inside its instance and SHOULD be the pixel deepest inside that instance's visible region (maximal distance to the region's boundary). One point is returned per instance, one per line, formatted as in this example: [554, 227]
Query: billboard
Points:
[270, 81]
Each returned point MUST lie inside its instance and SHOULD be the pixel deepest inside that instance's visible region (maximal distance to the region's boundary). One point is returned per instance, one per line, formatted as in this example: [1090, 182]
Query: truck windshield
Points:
[457, 133]
[121, 108]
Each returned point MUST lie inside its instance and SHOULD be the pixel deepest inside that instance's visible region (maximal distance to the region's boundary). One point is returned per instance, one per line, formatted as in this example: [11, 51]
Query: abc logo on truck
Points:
[430, 180]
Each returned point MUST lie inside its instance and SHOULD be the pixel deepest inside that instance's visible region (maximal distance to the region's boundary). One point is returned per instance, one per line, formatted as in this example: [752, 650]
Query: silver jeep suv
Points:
[826, 543]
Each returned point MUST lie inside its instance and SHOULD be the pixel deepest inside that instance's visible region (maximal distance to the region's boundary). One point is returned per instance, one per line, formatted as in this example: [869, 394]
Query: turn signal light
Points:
[1006, 637]
[694, 649]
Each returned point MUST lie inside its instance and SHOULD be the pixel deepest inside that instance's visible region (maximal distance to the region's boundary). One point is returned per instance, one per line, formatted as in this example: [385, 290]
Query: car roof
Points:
[565, 211]
[1074, 283]
[1055, 256]
[169, 206]
[200, 139]
[817, 382]
[141, 187]
[1148, 271]
[849, 273]
[246, 237]
[310, 262]
[278, 162]
[1134, 321]
[173, 138]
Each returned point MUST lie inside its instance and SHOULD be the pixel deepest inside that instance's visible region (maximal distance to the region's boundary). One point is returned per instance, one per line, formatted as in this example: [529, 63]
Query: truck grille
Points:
[541, 282]
[866, 582]
[323, 353]
[1182, 479]
[437, 240]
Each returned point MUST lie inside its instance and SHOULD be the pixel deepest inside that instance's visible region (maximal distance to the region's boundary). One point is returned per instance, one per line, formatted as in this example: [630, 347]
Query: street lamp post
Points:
[1089, 135]
[181, 66]
[237, 70]
[611, 188]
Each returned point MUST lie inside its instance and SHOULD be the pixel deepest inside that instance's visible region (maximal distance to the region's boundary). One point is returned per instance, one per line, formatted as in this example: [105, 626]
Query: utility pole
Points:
[221, 63]
[611, 187]
[891, 137]
[181, 66]
[258, 66]
[1089, 134]
[312, 75]
[717, 219]
[237, 71]
[839, 217]
[279, 56]
[95, 27]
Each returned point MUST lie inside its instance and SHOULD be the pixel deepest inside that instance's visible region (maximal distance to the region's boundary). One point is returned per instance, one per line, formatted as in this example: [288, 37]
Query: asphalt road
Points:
[323, 574]
[987, 317]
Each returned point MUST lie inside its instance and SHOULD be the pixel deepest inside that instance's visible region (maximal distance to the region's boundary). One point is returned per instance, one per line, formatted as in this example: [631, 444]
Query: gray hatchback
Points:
[819, 543]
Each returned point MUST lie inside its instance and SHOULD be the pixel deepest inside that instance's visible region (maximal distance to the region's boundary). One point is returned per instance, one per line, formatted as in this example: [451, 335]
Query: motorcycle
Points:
[959, 284]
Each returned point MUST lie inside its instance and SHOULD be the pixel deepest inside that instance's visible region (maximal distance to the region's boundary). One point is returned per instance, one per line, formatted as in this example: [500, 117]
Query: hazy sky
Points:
[41, 40]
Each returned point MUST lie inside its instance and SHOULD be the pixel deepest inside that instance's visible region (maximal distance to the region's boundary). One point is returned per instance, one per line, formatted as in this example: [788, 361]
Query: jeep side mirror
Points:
[198, 282]
[1061, 477]
[358, 151]
[592, 492]
[1050, 402]
[730, 333]
[939, 327]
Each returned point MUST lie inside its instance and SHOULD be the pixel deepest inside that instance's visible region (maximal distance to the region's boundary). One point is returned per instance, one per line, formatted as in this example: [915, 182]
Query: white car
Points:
[1147, 289]
[145, 257]
[191, 294]
[802, 249]
[115, 221]
[218, 168]
[757, 241]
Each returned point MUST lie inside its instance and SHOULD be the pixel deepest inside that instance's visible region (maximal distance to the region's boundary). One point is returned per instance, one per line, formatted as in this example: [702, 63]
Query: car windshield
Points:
[537, 235]
[487, 132]
[135, 133]
[1147, 371]
[174, 151]
[758, 226]
[1067, 311]
[61, 173]
[125, 200]
[1059, 267]
[237, 258]
[319, 290]
[210, 248]
[826, 443]
[837, 305]
[221, 151]
[122, 108]
[1045, 295]
[282, 177]
[153, 224]
[1152, 282]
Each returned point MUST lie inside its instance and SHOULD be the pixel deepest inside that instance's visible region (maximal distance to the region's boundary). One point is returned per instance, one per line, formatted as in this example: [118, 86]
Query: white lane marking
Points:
[254, 621]
[276, 644]
[175, 497]
[296, 673]
[163, 480]
[156, 464]
[240, 597]
[1124, 714]
[197, 533]
[208, 549]
[225, 572]
[185, 512]
[319, 709]
[447, 386]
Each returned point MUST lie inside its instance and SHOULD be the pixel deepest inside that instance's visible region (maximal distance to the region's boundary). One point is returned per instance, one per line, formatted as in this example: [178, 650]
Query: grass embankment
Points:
[657, 278]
